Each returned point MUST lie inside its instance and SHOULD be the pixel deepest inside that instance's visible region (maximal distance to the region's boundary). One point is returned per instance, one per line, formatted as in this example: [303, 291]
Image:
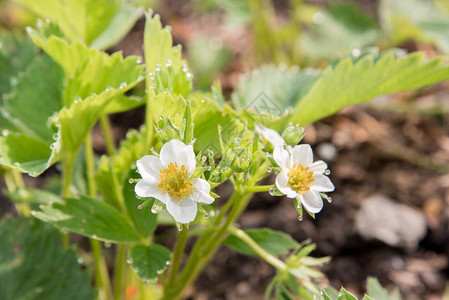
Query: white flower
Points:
[301, 178]
[270, 135]
[168, 178]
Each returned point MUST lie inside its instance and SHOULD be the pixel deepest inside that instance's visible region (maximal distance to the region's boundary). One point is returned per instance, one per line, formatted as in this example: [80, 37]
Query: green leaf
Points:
[164, 62]
[338, 29]
[417, 20]
[144, 220]
[16, 53]
[35, 265]
[351, 83]
[267, 94]
[147, 261]
[97, 23]
[36, 97]
[25, 153]
[376, 291]
[345, 295]
[89, 217]
[274, 242]
[88, 70]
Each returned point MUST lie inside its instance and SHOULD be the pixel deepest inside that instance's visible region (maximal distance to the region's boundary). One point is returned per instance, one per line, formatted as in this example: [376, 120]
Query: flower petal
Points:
[302, 154]
[322, 183]
[177, 151]
[311, 201]
[318, 167]
[183, 211]
[146, 188]
[149, 166]
[281, 157]
[201, 192]
[282, 185]
[270, 135]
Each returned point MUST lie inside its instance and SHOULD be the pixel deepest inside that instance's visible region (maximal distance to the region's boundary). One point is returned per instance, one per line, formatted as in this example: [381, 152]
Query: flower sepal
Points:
[293, 134]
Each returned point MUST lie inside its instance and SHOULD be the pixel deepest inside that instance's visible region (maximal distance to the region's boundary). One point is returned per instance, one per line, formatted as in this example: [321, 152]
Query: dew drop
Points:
[184, 68]
[329, 199]
[206, 215]
[139, 60]
[108, 89]
[269, 169]
[140, 206]
[131, 180]
[154, 210]
[300, 218]
[129, 261]
[95, 237]
[179, 226]
[167, 263]
[272, 192]
[327, 172]
[80, 260]
[158, 67]
[203, 158]
[123, 84]
[189, 75]
[169, 63]
[138, 197]
[140, 78]
[5, 132]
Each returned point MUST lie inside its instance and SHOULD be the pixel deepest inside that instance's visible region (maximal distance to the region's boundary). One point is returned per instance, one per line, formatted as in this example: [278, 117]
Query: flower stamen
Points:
[175, 181]
[300, 179]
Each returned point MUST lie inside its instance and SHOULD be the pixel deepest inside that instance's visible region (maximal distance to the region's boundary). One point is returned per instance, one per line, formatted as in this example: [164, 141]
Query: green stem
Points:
[66, 182]
[101, 271]
[107, 132]
[210, 240]
[274, 261]
[14, 181]
[120, 271]
[258, 189]
[178, 251]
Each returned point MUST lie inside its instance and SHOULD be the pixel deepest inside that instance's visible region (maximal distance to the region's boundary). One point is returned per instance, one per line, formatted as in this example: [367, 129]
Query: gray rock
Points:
[395, 224]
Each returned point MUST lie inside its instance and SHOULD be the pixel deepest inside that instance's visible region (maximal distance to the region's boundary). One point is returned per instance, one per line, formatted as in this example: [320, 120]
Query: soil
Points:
[380, 150]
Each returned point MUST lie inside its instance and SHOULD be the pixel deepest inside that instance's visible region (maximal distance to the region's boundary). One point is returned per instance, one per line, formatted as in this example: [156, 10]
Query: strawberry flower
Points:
[301, 178]
[169, 178]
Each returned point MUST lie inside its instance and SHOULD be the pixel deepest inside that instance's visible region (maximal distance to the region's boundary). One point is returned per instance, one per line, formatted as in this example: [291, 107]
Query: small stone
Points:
[398, 225]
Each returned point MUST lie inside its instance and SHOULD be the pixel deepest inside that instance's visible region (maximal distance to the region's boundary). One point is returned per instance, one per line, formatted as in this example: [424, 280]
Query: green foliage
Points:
[100, 24]
[113, 172]
[349, 81]
[35, 265]
[89, 217]
[143, 219]
[148, 261]
[268, 93]
[376, 291]
[207, 57]
[274, 242]
[419, 20]
[338, 29]
[168, 71]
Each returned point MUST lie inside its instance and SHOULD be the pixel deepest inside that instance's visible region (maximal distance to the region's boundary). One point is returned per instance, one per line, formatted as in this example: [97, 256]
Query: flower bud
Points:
[293, 134]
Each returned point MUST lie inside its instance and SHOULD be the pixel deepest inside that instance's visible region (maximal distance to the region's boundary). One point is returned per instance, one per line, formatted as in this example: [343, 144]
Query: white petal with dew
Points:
[272, 136]
[311, 201]
[183, 211]
[146, 188]
[282, 185]
[302, 154]
[149, 166]
[322, 183]
[318, 167]
[177, 152]
[281, 157]
[201, 191]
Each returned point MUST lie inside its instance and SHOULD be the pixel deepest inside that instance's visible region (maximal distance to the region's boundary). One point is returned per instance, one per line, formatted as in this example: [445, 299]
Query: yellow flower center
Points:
[300, 178]
[175, 181]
